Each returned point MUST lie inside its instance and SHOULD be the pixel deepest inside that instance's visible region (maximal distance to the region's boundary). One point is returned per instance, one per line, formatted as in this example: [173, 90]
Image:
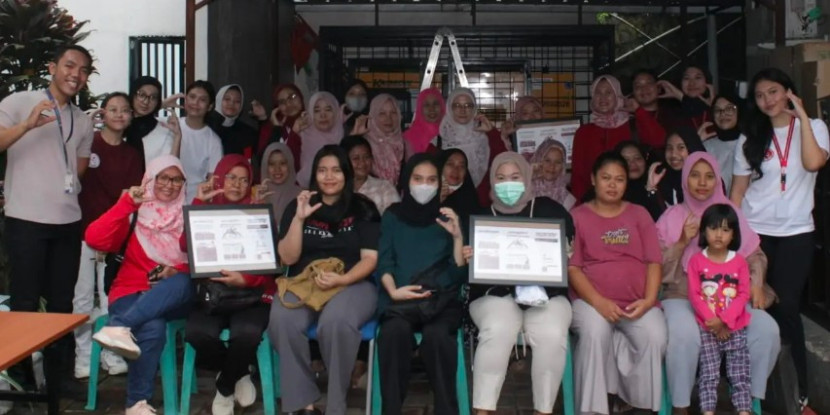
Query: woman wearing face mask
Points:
[527, 109]
[695, 96]
[678, 231]
[278, 177]
[429, 111]
[324, 127]
[113, 167]
[457, 190]
[471, 132]
[279, 125]
[237, 137]
[502, 312]
[614, 276]
[549, 179]
[140, 306]
[720, 138]
[231, 185]
[361, 157]
[356, 103]
[664, 187]
[776, 165]
[419, 223]
[382, 129]
[146, 134]
[201, 147]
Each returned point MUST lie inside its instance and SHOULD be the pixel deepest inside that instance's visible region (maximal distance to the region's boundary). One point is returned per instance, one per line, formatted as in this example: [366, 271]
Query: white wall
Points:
[112, 22]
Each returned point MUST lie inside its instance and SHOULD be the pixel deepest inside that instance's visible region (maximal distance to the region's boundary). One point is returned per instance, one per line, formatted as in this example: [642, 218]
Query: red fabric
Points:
[649, 129]
[303, 42]
[107, 233]
[590, 141]
[295, 144]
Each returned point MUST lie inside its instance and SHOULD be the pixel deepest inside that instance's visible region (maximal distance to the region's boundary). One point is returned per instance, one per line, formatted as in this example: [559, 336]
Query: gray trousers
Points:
[684, 348]
[338, 332]
[623, 358]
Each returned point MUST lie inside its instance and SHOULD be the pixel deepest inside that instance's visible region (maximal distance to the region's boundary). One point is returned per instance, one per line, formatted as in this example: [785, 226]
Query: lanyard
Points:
[60, 125]
[783, 159]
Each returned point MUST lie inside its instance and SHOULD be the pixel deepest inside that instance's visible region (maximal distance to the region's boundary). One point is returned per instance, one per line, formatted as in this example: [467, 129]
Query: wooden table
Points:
[24, 333]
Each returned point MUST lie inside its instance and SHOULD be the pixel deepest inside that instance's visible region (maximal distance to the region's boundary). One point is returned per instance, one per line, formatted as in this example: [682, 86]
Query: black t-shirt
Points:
[353, 233]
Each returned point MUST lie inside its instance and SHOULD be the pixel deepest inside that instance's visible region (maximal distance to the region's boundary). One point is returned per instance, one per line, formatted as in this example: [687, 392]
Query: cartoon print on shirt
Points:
[616, 237]
[729, 291]
[709, 288]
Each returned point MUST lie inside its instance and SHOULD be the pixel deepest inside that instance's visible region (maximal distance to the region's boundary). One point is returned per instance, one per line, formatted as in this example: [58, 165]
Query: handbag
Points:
[423, 310]
[217, 298]
[306, 289]
[113, 260]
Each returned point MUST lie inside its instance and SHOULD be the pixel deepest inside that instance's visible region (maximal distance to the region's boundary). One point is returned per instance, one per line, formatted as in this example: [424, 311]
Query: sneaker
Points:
[113, 364]
[222, 405]
[141, 408]
[244, 391]
[119, 340]
[81, 372]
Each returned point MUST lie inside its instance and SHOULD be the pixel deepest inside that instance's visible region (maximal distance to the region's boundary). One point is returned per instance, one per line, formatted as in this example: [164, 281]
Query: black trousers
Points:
[438, 350]
[790, 262]
[232, 360]
[43, 263]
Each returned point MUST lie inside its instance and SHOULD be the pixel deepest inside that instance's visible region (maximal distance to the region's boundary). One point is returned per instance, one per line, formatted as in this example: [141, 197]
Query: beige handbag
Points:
[306, 289]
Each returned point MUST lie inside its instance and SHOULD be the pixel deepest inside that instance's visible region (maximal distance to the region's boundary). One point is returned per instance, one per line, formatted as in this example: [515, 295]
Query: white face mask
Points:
[423, 193]
[454, 187]
[356, 104]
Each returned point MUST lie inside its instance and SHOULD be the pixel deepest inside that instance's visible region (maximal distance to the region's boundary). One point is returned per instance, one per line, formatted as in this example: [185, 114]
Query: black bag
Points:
[217, 298]
[113, 260]
[426, 309]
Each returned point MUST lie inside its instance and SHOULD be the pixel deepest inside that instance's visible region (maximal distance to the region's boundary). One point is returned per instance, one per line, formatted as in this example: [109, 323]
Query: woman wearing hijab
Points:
[429, 111]
[278, 177]
[152, 285]
[471, 132]
[146, 134]
[720, 138]
[637, 158]
[527, 109]
[361, 156]
[279, 125]
[327, 221]
[237, 137]
[382, 129]
[356, 103]
[678, 232]
[324, 127]
[501, 312]
[549, 179]
[230, 184]
[457, 190]
[665, 184]
[419, 223]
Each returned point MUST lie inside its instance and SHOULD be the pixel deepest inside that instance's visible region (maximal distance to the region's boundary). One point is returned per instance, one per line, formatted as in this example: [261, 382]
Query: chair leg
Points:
[188, 375]
[568, 381]
[756, 406]
[370, 373]
[169, 376]
[461, 386]
[266, 376]
[665, 407]
[94, 364]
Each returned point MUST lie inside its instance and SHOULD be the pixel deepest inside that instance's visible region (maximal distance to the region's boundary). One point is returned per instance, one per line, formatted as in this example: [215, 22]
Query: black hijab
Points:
[464, 200]
[141, 126]
[671, 185]
[408, 209]
[733, 133]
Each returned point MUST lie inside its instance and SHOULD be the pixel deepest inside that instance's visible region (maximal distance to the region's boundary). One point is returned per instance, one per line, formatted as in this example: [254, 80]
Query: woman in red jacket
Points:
[152, 285]
[230, 184]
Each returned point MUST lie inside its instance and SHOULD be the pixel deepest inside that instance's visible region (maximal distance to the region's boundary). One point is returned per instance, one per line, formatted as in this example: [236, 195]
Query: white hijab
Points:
[217, 106]
[465, 138]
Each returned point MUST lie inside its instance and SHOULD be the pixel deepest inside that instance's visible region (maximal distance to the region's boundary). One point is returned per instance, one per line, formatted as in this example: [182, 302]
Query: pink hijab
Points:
[523, 102]
[616, 118]
[670, 224]
[387, 149]
[314, 139]
[421, 132]
[555, 189]
[160, 224]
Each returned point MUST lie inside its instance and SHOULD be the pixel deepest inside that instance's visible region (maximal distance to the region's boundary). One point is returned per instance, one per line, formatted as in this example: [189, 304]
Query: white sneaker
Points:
[141, 408]
[119, 340]
[244, 391]
[222, 405]
[81, 372]
[113, 364]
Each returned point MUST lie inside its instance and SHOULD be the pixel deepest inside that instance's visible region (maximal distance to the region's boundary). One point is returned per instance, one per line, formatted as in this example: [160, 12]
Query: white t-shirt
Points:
[768, 210]
[724, 152]
[201, 151]
[158, 143]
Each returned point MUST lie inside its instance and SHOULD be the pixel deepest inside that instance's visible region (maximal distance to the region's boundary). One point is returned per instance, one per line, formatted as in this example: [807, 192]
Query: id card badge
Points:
[782, 209]
[69, 183]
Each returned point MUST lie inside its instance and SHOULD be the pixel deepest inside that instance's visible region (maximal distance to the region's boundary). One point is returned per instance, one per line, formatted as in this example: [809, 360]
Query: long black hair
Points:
[758, 126]
[349, 202]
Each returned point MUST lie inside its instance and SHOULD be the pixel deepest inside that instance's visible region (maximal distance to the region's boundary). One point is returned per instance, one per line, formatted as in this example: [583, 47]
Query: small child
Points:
[719, 288]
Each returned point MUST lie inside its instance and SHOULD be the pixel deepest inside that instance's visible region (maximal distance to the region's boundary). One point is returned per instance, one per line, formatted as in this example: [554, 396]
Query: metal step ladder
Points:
[442, 33]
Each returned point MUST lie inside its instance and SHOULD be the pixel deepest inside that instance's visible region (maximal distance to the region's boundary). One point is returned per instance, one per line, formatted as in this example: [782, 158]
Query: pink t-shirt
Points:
[614, 253]
[719, 290]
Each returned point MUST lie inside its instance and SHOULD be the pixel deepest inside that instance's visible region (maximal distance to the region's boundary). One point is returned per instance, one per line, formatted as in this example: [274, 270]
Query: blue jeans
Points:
[146, 314]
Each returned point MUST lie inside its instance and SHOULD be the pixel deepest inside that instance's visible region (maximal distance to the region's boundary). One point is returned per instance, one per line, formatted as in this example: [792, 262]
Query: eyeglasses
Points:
[145, 97]
[166, 180]
[234, 179]
[284, 101]
[467, 106]
[727, 110]
[114, 111]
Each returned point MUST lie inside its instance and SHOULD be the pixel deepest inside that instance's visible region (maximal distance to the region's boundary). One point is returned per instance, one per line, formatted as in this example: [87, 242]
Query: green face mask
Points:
[509, 192]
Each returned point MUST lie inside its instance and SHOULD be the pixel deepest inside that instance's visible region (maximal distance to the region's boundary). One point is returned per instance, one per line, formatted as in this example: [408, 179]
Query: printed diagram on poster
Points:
[518, 251]
[232, 238]
[531, 134]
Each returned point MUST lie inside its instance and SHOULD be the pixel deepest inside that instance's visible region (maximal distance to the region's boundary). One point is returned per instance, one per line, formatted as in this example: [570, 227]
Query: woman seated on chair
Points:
[614, 277]
[230, 184]
[502, 312]
[329, 220]
[152, 285]
[421, 292]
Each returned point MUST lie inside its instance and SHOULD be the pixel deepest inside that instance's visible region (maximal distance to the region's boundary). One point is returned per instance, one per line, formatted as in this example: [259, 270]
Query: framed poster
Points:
[230, 237]
[530, 134]
[518, 251]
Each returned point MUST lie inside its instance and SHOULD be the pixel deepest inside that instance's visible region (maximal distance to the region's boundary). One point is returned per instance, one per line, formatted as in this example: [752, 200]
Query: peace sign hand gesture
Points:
[138, 194]
[205, 192]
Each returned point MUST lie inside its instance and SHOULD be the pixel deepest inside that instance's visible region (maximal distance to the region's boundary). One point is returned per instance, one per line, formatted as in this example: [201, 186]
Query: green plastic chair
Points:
[168, 367]
[267, 359]
[461, 388]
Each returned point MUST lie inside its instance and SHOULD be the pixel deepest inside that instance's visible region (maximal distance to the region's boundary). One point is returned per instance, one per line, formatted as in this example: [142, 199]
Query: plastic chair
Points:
[461, 388]
[267, 359]
[168, 367]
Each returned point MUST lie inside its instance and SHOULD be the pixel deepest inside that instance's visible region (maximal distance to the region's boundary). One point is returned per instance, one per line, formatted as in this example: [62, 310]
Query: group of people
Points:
[390, 209]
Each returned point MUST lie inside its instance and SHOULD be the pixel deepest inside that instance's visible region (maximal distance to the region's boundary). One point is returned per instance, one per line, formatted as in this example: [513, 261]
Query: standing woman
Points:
[324, 127]
[695, 96]
[328, 220]
[429, 111]
[355, 103]
[279, 178]
[146, 134]
[201, 147]
[527, 109]
[776, 163]
[722, 141]
[237, 137]
[614, 277]
[420, 224]
[549, 178]
[361, 156]
[382, 129]
[278, 126]
[501, 312]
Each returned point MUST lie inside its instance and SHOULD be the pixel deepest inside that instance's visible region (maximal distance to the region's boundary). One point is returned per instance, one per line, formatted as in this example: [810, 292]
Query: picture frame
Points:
[231, 237]
[531, 134]
[510, 250]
